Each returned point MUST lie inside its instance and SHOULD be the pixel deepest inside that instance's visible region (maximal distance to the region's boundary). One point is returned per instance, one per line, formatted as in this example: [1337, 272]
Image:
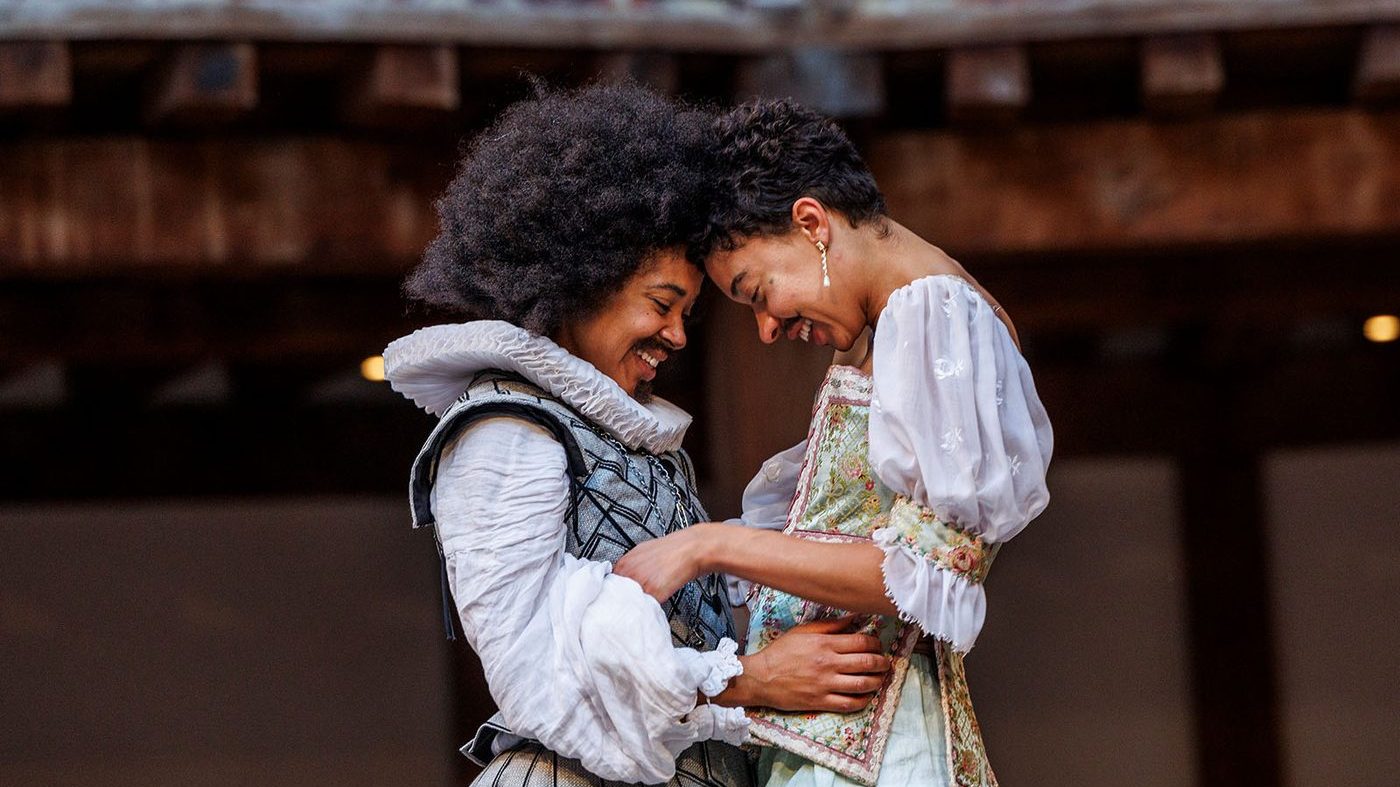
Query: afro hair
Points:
[561, 200]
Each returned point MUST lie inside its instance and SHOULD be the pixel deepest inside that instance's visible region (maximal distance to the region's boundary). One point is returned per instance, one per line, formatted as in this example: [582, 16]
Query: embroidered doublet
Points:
[620, 497]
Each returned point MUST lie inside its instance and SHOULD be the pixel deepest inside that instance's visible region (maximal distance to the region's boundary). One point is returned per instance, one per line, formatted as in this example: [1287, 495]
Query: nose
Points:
[674, 332]
[769, 327]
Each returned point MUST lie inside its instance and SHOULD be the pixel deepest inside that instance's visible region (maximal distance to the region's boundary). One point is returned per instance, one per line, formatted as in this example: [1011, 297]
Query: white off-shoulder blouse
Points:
[957, 427]
[575, 656]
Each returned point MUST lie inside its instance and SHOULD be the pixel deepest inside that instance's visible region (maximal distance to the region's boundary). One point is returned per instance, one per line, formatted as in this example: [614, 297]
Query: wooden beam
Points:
[405, 85]
[1224, 526]
[656, 70]
[187, 315]
[273, 446]
[871, 26]
[1078, 294]
[204, 83]
[988, 84]
[126, 204]
[184, 321]
[839, 84]
[1378, 71]
[1182, 74]
[1293, 174]
[309, 205]
[35, 74]
[1315, 412]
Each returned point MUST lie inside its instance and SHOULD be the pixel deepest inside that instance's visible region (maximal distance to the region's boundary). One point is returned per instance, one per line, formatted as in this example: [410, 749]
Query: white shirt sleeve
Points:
[957, 427]
[575, 657]
[766, 502]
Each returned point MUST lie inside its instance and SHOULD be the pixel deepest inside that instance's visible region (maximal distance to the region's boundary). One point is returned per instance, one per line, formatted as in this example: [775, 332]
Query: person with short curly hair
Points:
[927, 450]
[774, 152]
[563, 244]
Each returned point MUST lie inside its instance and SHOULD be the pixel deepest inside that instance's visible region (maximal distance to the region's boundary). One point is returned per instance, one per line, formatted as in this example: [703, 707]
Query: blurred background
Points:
[1192, 211]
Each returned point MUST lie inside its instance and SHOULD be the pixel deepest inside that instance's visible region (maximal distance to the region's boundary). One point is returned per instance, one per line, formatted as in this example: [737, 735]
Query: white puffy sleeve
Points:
[575, 657]
[765, 503]
[959, 434]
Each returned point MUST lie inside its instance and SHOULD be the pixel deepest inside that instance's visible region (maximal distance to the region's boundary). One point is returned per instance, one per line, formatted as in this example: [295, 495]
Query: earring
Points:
[826, 277]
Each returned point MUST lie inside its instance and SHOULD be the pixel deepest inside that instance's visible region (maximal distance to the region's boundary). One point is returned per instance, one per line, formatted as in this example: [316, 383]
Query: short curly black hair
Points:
[561, 200]
[771, 153]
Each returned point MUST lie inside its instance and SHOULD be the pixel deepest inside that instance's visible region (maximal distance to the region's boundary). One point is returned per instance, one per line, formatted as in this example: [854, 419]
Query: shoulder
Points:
[935, 313]
[945, 293]
[505, 444]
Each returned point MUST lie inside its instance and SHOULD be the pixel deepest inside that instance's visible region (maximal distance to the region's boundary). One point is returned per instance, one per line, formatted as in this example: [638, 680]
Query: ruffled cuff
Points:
[933, 573]
[727, 725]
[712, 670]
[705, 723]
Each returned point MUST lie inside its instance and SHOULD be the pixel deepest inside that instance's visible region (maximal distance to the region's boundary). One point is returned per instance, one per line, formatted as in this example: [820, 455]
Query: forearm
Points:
[843, 575]
[744, 690]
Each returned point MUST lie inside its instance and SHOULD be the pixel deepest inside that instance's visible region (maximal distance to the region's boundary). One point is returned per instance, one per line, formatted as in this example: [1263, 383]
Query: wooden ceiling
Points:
[243, 184]
[693, 25]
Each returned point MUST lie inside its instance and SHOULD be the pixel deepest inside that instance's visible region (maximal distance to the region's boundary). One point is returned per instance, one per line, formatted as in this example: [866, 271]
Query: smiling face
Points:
[780, 278]
[641, 325]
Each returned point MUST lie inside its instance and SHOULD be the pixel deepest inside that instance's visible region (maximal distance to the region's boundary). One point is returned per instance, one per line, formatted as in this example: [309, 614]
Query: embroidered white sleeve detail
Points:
[960, 428]
[961, 431]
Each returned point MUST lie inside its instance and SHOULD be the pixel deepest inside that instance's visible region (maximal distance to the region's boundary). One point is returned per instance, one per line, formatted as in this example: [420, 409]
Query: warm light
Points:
[372, 368]
[1382, 328]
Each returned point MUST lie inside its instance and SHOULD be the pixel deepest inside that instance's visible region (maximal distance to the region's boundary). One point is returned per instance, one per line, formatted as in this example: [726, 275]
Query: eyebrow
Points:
[676, 288]
[734, 285]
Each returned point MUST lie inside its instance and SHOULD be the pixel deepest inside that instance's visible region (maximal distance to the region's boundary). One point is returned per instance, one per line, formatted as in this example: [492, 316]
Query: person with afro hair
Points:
[563, 248]
[927, 450]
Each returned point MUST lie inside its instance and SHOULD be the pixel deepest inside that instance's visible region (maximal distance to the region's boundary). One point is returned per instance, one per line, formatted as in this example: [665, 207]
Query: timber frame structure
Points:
[1186, 206]
[683, 25]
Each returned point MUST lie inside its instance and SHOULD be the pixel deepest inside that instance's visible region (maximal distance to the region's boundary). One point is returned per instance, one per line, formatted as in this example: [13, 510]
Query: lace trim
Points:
[433, 366]
[939, 602]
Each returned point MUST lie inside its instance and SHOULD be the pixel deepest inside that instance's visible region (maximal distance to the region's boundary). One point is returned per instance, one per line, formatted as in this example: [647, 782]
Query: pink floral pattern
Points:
[967, 754]
[919, 529]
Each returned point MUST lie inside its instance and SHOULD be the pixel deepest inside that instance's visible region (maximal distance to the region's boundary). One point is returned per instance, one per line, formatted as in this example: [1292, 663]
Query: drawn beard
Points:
[643, 393]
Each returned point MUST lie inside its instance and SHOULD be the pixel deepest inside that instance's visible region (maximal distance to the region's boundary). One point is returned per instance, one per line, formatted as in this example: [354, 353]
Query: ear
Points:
[811, 218]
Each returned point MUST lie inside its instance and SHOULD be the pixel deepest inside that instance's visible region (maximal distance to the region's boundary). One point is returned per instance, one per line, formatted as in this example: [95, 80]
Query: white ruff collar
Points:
[433, 366]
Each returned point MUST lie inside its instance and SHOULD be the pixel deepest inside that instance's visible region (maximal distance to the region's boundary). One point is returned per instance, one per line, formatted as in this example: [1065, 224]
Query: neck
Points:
[889, 258]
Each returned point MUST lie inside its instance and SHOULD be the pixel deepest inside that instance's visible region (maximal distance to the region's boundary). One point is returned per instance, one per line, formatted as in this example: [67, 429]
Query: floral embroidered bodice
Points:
[840, 498]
